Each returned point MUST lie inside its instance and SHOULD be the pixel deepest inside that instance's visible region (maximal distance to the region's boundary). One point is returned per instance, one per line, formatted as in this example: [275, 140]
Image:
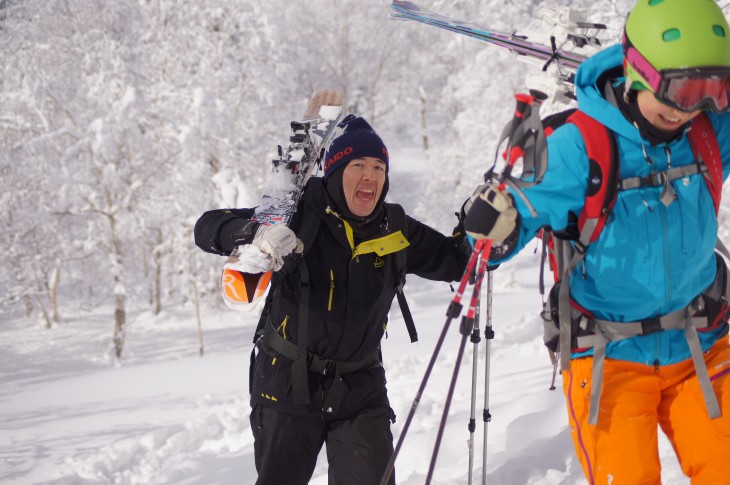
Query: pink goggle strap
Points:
[641, 65]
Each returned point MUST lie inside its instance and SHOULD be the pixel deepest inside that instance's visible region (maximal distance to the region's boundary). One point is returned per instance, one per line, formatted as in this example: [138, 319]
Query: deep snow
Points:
[70, 414]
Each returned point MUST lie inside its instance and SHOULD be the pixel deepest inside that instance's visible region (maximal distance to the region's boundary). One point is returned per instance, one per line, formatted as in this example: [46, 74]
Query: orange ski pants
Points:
[622, 449]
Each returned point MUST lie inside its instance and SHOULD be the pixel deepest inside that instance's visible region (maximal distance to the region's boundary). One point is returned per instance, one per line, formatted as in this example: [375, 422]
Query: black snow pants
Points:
[286, 447]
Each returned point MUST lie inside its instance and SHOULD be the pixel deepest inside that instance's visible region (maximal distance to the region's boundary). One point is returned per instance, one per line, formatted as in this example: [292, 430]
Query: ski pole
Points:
[483, 249]
[527, 107]
[452, 312]
[475, 339]
[488, 336]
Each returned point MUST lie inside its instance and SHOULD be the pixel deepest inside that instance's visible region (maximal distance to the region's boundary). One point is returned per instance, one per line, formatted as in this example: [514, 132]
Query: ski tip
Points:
[323, 97]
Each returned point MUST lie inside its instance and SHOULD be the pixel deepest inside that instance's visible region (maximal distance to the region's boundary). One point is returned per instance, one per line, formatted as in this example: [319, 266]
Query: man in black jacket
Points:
[318, 375]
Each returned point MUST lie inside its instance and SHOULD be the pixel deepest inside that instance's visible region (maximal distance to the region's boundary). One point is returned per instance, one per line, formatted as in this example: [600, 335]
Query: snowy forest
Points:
[121, 122]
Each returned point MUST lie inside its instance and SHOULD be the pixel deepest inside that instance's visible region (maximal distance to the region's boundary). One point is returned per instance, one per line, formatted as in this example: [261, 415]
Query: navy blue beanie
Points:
[354, 138]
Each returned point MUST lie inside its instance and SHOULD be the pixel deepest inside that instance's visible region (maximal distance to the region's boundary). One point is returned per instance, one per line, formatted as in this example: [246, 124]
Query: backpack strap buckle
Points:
[658, 179]
[320, 365]
[651, 325]
[580, 247]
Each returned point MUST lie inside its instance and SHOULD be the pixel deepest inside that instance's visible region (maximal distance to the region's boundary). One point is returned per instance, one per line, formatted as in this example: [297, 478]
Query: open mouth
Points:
[365, 195]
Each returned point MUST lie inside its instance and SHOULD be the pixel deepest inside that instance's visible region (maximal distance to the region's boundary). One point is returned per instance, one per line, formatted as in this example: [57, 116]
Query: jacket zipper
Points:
[665, 251]
[664, 219]
[332, 289]
[665, 230]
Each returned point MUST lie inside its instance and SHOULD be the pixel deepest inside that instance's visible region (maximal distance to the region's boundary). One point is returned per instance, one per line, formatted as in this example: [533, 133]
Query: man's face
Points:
[362, 182]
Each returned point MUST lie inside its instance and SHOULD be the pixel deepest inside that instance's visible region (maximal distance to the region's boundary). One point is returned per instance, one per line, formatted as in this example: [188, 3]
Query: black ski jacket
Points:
[349, 299]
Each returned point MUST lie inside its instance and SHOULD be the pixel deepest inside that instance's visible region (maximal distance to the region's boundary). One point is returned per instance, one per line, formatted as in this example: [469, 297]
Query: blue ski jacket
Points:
[650, 259]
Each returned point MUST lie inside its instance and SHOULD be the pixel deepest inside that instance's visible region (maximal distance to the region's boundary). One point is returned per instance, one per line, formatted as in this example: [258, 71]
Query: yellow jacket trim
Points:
[348, 229]
[392, 243]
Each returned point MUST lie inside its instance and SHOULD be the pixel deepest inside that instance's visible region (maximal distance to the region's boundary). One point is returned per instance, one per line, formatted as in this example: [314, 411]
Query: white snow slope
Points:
[70, 415]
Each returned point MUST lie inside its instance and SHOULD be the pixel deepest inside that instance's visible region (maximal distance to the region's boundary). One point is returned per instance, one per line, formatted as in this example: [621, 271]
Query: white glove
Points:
[492, 215]
[277, 242]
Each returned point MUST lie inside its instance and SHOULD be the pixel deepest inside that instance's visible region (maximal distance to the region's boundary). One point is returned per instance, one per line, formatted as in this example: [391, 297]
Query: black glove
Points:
[492, 215]
[245, 233]
[458, 233]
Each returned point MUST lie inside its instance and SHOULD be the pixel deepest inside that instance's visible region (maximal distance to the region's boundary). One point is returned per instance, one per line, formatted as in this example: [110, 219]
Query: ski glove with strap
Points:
[491, 215]
[243, 234]
[464, 241]
[466, 206]
[277, 242]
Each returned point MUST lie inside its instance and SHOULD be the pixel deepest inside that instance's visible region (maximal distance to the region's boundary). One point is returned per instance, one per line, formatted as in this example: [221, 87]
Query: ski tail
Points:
[320, 99]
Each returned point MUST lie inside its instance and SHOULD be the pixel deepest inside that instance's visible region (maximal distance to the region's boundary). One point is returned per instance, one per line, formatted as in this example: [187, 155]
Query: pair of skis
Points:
[565, 40]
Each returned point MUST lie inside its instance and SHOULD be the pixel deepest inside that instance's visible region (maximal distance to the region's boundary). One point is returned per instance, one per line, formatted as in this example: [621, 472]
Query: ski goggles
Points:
[688, 89]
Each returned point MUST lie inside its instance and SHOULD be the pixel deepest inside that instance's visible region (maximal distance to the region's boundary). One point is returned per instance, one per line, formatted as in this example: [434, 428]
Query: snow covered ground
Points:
[69, 414]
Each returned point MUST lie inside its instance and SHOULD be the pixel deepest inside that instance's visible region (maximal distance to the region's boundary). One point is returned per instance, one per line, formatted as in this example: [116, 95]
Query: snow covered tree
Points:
[120, 123]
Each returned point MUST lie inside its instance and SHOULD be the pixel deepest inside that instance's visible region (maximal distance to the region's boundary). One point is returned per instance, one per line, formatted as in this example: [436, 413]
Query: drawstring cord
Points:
[668, 195]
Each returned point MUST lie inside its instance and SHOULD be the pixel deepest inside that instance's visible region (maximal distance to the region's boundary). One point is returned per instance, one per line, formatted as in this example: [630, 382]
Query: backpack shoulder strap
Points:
[603, 176]
[554, 121]
[398, 222]
[397, 219]
[706, 149]
[306, 229]
[601, 192]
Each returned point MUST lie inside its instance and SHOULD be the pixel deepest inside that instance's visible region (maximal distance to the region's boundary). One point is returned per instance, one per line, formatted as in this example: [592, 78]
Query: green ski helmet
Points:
[676, 34]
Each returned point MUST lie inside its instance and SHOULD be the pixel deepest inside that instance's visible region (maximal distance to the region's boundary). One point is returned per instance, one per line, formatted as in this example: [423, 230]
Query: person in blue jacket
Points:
[651, 286]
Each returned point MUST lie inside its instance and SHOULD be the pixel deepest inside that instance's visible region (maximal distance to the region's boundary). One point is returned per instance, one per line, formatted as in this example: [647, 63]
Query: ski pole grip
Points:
[454, 309]
[467, 325]
[524, 101]
[538, 95]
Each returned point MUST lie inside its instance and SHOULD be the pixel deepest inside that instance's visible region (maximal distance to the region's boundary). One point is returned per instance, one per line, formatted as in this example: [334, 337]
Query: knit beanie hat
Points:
[354, 138]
